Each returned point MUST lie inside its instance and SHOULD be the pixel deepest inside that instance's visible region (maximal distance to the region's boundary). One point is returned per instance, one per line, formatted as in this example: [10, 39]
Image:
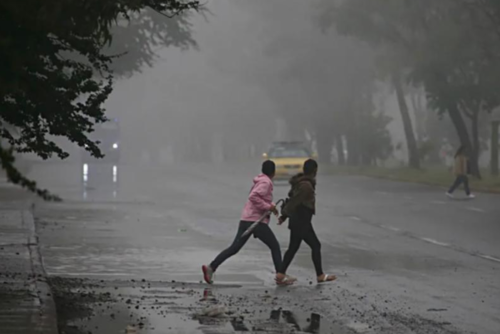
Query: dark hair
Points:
[268, 168]
[460, 150]
[310, 167]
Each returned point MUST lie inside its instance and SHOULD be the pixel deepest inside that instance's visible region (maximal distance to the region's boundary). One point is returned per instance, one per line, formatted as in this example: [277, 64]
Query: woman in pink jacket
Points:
[260, 201]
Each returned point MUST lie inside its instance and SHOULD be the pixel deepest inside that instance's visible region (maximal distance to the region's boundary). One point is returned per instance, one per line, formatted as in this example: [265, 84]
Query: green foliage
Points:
[425, 149]
[7, 161]
[333, 77]
[368, 129]
[54, 75]
[377, 139]
[138, 39]
[450, 47]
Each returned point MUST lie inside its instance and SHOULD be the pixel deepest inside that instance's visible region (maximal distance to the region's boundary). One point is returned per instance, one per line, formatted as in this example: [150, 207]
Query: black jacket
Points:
[302, 194]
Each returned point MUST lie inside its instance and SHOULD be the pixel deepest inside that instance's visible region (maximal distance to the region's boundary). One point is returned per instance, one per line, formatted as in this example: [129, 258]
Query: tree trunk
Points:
[476, 146]
[463, 135]
[324, 144]
[411, 143]
[339, 145]
[494, 147]
[352, 151]
[366, 159]
[419, 115]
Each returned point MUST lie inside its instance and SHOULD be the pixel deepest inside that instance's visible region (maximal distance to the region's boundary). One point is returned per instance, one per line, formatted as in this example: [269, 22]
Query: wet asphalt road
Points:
[408, 259]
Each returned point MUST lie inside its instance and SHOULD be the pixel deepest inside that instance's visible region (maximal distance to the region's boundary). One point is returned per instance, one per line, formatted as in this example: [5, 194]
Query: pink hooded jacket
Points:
[259, 200]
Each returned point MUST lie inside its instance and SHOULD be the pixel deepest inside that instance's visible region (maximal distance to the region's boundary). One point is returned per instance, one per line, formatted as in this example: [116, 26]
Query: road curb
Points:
[47, 318]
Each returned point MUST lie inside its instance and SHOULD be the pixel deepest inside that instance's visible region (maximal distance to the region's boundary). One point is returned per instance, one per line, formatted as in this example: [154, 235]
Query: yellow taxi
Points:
[289, 158]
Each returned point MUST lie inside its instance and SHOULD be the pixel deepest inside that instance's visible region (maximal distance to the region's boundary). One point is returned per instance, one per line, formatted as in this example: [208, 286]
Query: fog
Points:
[207, 138]
[259, 72]
[267, 71]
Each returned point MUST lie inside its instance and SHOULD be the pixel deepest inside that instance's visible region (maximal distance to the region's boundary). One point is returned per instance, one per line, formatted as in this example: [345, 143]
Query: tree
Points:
[55, 76]
[458, 65]
[376, 23]
[411, 142]
[327, 78]
[449, 47]
[138, 38]
[419, 108]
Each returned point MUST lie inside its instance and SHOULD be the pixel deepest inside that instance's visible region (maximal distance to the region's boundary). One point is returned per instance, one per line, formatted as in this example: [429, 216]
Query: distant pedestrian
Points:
[461, 170]
[300, 208]
[259, 203]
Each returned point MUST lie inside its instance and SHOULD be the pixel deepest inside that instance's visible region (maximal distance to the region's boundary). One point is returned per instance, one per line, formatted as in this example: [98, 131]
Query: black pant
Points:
[458, 181]
[262, 232]
[301, 229]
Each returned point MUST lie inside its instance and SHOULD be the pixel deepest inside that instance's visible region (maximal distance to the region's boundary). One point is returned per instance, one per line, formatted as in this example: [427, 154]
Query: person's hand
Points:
[274, 210]
[281, 220]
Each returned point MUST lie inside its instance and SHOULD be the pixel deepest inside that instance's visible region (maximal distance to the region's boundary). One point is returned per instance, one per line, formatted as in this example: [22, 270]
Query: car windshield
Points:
[288, 152]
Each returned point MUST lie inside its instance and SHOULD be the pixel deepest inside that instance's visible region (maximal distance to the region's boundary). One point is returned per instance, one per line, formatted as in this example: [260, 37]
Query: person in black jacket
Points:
[300, 208]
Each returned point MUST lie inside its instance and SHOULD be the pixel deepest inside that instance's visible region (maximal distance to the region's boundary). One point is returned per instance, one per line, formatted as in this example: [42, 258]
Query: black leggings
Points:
[263, 232]
[303, 230]
[458, 181]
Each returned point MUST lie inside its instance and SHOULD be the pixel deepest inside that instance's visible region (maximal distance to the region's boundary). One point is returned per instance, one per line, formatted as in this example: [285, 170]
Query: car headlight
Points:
[115, 146]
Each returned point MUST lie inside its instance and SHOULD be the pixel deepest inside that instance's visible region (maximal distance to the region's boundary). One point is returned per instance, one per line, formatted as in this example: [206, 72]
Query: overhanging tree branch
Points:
[55, 75]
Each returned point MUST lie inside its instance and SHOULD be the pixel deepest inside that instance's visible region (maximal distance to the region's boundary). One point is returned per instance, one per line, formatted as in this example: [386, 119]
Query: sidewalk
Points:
[26, 304]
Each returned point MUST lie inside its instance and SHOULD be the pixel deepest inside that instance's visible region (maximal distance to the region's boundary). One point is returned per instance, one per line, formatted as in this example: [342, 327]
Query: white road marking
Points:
[435, 242]
[471, 208]
[392, 228]
[355, 218]
[64, 248]
[491, 258]
[88, 274]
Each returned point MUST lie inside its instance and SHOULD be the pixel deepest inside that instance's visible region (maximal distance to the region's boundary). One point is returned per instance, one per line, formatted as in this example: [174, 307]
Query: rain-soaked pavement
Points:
[160, 307]
[124, 252]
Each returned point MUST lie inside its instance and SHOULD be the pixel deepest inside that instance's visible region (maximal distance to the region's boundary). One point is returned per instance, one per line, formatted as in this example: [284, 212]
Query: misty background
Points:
[265, 71]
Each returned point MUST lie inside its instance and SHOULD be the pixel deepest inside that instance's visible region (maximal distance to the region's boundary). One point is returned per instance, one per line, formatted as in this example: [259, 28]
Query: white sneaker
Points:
[450, 195]
[471, 196]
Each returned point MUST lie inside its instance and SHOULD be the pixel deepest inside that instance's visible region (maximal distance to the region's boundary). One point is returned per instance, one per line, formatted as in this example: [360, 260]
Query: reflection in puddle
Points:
[275, 315]
[290, 318]
[314, 322]
[179, 309]
[238, 325]
[85, 173]
[130, 330]
[100, 181]
[282, 321]
[115, 174]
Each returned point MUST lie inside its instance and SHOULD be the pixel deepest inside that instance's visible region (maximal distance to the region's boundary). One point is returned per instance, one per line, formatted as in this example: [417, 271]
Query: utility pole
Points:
[494, 147]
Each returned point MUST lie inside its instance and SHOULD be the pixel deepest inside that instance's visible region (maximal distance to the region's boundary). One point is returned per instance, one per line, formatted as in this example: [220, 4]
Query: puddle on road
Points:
[181, 309]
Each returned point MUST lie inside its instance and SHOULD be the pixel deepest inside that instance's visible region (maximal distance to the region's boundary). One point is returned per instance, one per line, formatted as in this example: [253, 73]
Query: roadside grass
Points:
[434, 176]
